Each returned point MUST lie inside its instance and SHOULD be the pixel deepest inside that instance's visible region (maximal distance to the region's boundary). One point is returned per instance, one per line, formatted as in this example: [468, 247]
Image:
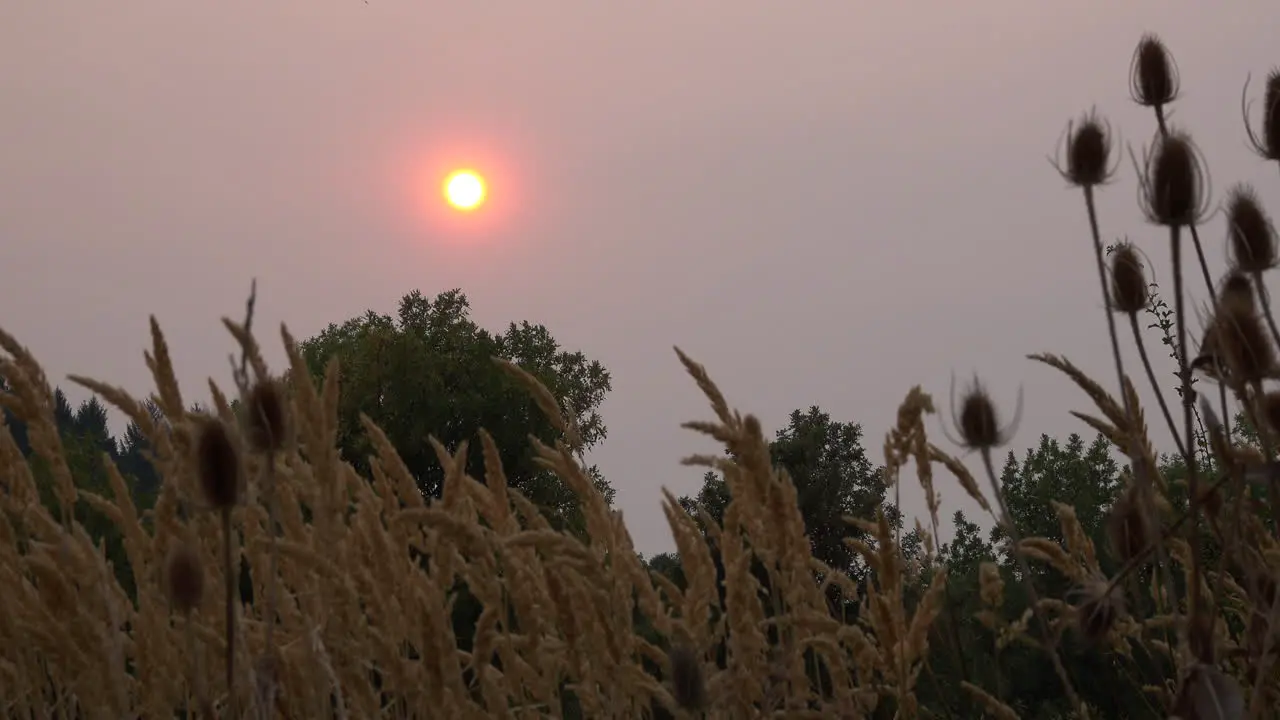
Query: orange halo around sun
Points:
[465, 190]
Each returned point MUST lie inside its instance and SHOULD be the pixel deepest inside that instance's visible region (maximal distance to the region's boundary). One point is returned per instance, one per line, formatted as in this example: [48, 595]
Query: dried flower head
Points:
[1242, 344]
[1173, 185]
[1237, 291]
[687, 685]
[978, 421]
[1251, 237]
[184, 577]
[1266, 139]
[1128, 281]
[1207, 693]
[1129, 524]
[1098, 608]
[1153, 75]
[217, 463]
[1088, 152]
[266, 417]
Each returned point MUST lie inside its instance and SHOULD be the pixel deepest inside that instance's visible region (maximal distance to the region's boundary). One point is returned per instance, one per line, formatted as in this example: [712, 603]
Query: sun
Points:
[465, 190]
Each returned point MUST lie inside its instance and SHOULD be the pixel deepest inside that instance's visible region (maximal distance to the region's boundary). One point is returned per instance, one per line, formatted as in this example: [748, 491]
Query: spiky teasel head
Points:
[978, 420]
[1266, 139]
[1153, 75]
[184, 577]
[1237, 291]
[217, 463]
[1129, 288]
[1099, 605]
[1251, 237]
[1130, 524]
[1088, 152]
[266, 417]
[687, 684]
[1173, 187]
[1242, 344]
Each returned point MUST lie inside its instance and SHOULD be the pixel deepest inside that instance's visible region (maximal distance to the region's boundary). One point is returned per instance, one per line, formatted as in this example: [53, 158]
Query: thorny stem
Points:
[1208, 283]
[1151, 376]
[1092, 208]
[1193, 475]
[1015, 537]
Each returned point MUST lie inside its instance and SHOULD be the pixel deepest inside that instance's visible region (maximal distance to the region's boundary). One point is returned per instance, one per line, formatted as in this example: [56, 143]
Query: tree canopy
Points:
[429, 371]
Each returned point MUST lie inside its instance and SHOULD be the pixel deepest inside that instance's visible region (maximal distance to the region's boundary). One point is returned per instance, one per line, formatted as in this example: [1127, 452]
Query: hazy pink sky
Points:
[825, 203]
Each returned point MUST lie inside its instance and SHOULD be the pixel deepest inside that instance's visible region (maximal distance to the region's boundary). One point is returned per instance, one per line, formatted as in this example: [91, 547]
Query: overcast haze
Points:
[824, 202]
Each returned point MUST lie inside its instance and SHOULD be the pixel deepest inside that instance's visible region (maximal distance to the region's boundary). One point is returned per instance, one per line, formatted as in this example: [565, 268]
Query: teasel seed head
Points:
[266, 417]
[218, 463]
[1153, 75]
[1242, 344]
[687, 684]
[184, 577]
[1099, 607]
[1088, 152]
[1128, 281]
[1251, 236]
[1266, 139]
[978, 420]
[1237, 291]
[1173, 188]
[1130, 525]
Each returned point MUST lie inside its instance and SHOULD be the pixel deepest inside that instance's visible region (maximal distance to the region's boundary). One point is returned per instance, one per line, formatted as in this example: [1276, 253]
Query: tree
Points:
[429, 371]
[833, 479]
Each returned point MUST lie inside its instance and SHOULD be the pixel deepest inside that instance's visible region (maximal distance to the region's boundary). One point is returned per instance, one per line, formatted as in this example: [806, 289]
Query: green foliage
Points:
[429, 371]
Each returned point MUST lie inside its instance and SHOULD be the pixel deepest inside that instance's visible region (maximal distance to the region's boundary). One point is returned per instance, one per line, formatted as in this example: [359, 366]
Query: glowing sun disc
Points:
[464, 189]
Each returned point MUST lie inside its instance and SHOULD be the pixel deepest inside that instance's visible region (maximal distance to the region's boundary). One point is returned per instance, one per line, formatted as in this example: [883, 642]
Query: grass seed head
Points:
[184, 577]
[1251, 237]
[218, 463]
[266, 417]
[1088, 152]
[1153, 75]
[1128, 281]
[1174, 185]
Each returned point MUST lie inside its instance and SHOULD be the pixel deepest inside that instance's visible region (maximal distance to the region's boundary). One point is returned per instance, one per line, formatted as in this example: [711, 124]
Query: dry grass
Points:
[351, 621]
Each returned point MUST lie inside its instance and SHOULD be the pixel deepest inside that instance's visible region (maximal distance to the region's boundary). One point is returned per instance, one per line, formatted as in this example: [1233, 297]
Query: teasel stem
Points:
[1134, 452]
[1155, 386]
[1184, 372]
[1208, 283]
[1108, 310]
[1051, 644]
